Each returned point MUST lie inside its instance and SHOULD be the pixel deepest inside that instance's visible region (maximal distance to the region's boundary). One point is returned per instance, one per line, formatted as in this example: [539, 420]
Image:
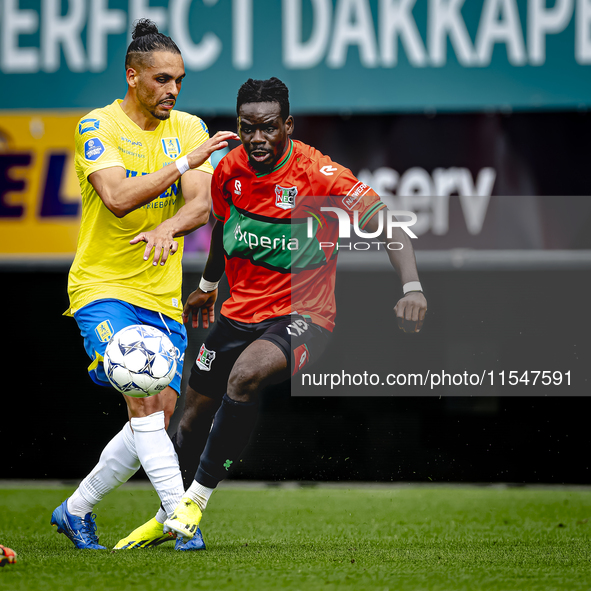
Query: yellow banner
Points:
[39, 194]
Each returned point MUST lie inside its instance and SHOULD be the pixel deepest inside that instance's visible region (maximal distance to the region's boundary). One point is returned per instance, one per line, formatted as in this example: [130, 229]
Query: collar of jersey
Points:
[282, 163]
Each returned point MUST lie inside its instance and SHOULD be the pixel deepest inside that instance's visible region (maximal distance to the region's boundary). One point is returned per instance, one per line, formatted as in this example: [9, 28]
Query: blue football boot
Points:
[195, 543]
[82, 531]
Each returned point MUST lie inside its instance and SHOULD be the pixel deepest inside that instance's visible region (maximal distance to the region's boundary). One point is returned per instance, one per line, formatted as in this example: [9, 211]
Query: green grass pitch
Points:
[377, 538]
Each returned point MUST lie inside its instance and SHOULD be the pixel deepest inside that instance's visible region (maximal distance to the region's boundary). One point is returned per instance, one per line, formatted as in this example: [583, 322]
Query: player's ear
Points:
[131, 75]
[289, 125]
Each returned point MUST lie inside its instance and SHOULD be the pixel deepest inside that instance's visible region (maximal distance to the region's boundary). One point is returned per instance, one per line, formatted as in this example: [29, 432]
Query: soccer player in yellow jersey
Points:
[140, 164]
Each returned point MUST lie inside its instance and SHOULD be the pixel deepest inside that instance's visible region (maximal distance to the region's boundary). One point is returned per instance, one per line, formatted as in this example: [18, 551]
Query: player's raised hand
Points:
[160, 240]
[220, 140]
[200, 301]
[410, 311]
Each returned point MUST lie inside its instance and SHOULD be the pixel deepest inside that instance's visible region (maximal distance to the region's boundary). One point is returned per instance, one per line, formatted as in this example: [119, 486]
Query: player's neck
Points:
[141, 118]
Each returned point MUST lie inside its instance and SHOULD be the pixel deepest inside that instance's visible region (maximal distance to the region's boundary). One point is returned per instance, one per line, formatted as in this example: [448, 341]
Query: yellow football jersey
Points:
[106, 265]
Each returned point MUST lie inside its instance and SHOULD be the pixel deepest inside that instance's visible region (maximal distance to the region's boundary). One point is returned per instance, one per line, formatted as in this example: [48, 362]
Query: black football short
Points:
[301, 341]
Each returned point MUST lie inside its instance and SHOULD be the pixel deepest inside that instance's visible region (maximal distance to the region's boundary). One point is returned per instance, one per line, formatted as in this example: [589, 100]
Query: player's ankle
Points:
[161, 516]
[199, 494]
[79, 506]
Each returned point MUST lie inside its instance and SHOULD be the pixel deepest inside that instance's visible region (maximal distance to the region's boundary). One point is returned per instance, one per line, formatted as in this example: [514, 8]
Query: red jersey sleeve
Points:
[346, 191]
[220, 204]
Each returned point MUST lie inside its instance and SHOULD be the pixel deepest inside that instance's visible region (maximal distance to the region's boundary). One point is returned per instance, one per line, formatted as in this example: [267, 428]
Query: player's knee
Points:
[244, 382]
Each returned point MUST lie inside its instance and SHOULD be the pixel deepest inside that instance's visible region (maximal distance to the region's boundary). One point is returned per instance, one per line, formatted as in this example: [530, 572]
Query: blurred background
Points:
[473, 114]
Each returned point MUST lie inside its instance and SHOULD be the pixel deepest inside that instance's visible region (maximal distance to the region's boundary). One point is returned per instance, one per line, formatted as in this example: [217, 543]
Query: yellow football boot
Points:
[184, 522]
[145, 536]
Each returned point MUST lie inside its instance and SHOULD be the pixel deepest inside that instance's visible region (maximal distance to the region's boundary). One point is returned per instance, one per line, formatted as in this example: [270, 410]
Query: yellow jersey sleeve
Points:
[197, 133]
[96, 144]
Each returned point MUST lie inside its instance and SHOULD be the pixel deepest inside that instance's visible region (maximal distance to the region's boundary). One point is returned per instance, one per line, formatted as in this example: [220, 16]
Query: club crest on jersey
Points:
[205, 358]
[171, 147]
[285, 197]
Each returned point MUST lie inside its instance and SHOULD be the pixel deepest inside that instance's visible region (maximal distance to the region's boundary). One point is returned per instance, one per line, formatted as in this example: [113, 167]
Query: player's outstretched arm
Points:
[196, 186]
[411, 308]
[203, 300]
[123, 195]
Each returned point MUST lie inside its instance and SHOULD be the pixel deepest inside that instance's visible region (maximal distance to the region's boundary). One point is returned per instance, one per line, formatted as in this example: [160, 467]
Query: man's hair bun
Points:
[146, 39]
[143, 27]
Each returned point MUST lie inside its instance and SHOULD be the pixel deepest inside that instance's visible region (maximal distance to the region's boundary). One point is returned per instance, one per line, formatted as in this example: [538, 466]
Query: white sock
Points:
[117, 464]
[158, 458]
[161, 516]
[199, 494]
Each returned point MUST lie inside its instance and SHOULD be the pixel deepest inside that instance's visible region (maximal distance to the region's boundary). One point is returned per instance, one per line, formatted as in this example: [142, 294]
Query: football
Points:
[140, 361]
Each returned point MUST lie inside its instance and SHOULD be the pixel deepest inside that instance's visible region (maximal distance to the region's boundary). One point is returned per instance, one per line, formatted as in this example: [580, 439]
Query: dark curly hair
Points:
[264, 91]
[147, 39]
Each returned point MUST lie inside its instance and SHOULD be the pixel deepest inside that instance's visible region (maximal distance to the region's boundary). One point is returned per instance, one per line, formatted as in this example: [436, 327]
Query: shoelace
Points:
[89, 528]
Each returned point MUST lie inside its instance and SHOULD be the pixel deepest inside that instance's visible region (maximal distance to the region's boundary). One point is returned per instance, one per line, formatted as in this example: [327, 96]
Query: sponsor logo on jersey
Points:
[104, 331]
[131, 142]
[285, 197]
[269, 243]
[93, 149]
[205, 358]
[354, 195]
[253, 240]
[88, 125]
[171, 147]
[237, 187]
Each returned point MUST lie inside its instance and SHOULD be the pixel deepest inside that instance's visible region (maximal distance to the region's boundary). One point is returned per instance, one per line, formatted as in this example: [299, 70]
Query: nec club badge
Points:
[285, 197]
[205, 358]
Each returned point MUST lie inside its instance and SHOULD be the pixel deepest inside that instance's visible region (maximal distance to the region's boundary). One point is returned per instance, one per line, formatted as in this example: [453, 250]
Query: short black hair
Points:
[264, 91]
[145, 40]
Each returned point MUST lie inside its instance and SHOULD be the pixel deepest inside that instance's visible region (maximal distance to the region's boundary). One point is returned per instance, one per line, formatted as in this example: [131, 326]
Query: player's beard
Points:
[147, 101]
[162, 116]
[261, 166]
[268, 164]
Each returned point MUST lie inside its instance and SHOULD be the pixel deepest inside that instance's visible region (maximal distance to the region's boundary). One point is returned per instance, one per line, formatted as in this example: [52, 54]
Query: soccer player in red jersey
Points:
[281, 308]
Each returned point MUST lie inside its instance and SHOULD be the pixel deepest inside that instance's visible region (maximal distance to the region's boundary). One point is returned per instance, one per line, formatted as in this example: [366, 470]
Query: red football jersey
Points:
[280, 247]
